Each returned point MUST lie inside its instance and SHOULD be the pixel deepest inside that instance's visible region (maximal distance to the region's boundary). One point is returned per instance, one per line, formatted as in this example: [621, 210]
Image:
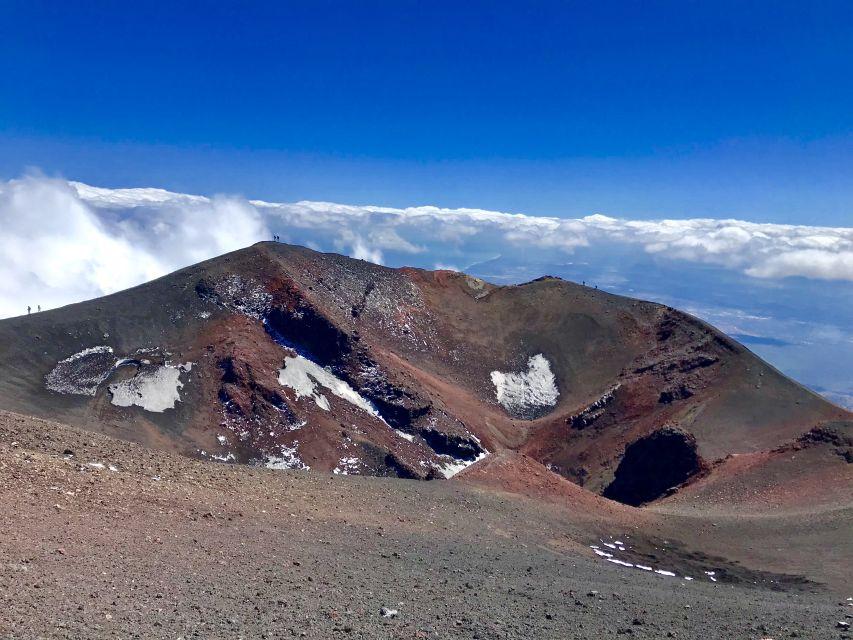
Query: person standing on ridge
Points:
[29, 308]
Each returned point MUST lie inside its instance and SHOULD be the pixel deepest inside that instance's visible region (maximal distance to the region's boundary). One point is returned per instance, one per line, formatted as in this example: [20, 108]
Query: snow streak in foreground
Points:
[618, 545]
[526, 393]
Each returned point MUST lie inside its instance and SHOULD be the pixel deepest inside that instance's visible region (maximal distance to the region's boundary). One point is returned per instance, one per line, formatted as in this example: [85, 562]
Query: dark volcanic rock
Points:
[593, 412]
[454, 445]
[838, 434]
[309, 333]
[655, 464]
[681, 392]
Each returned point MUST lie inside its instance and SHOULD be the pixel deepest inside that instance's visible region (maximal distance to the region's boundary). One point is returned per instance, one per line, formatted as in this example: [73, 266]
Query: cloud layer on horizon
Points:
[64, 242]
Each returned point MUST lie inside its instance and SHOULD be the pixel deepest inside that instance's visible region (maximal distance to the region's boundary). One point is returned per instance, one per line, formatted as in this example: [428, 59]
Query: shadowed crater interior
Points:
[654, 466]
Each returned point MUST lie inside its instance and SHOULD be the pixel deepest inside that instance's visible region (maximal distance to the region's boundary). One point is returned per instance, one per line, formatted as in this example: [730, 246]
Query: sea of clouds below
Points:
[63, 242]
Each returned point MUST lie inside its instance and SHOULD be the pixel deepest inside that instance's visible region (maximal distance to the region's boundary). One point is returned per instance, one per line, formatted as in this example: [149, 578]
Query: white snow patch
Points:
[455, 465]
[96, 465]
[155, 390]
[296, 426]
[82, 372]
[243, 296]
[89, 351]
[289, 459]
[523, 391]
[618, 545]
[221, 439]
[347, 466]
[304, 377]
[622, 562]
[404, 435]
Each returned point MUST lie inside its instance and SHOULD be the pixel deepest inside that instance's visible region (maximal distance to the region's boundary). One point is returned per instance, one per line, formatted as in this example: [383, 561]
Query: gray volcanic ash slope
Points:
[102, 538]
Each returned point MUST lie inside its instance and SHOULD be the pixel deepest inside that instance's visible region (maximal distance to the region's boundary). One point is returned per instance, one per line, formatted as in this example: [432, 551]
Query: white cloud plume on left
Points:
[58, 246]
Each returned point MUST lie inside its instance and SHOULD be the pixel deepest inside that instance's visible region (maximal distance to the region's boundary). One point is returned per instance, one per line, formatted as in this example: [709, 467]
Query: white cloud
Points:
[759, 250]
[63, 242]
[808, 263]
[361, 251]
[57, 248]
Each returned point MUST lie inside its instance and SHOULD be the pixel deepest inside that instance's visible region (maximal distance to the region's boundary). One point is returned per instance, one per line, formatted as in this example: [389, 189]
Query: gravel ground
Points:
[152, 545]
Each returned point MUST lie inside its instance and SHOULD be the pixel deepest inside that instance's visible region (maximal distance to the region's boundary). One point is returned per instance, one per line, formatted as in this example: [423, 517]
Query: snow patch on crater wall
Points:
[450, 466]
[154, 389]
[306, 377]
[526, 394]
[288, 458]
[82, 373]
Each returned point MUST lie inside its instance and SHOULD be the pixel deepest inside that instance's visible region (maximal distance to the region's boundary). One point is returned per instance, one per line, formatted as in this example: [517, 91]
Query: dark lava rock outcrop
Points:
[839, 434]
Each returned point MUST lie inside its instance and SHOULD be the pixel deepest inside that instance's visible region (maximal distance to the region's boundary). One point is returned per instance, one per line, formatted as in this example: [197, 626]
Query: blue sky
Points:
[633, 109]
